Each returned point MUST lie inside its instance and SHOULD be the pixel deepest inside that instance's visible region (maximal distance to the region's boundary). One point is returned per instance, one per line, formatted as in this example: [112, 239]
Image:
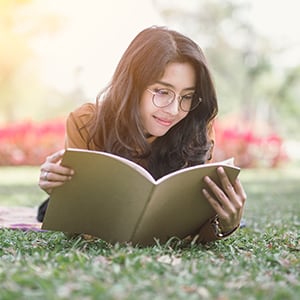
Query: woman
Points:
[157, 111]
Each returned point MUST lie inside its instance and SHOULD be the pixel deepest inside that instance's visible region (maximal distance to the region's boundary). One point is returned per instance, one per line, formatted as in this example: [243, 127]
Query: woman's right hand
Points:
[53, 174]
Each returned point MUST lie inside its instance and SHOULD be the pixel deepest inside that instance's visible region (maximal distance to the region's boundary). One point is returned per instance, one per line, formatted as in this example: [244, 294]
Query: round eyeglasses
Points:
[164, 97]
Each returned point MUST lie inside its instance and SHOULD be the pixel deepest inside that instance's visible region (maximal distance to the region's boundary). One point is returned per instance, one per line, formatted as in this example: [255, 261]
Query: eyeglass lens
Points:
[165, 97]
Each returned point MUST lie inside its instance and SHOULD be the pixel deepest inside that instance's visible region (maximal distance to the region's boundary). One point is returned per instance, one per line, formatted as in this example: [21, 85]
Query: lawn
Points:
[260, 261]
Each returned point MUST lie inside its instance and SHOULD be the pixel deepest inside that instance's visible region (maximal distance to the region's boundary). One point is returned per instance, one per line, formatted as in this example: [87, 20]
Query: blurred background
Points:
[57, 54]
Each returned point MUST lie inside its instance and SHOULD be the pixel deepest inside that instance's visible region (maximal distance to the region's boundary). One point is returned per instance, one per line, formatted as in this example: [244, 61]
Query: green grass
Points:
[260, 261]
[19, 186]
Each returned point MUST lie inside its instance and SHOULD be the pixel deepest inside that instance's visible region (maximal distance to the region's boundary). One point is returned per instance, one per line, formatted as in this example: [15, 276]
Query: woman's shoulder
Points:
[86, 109]
[83, 114]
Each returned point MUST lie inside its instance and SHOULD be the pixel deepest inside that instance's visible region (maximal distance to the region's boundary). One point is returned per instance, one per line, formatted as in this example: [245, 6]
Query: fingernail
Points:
[207, 179]
[221, 170]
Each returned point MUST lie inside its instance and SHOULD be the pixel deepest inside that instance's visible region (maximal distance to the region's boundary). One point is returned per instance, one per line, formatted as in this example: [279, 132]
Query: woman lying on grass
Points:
[157, 111]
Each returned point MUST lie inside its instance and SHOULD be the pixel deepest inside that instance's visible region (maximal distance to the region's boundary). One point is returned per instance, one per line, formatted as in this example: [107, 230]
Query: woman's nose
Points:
[173, 108]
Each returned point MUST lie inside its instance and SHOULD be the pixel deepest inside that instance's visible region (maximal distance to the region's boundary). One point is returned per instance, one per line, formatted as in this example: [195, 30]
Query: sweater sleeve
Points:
[206, 233]
[77, 135]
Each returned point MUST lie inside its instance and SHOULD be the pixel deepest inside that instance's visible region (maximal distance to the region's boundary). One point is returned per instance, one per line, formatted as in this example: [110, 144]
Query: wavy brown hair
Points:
[117, 126]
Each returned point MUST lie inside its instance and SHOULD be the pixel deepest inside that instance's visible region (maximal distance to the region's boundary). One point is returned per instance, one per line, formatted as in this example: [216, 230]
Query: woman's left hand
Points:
[228, 200]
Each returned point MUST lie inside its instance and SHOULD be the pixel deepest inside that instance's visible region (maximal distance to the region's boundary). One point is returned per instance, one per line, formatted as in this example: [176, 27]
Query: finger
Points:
[55, 168]
[218, 195]
[58, 177]
[60, 170]
[216, 205]
[56, 157]
[235, 193]
[52, 180]
[48, 186]
[227, 219]
[226, 184]
[240, 190]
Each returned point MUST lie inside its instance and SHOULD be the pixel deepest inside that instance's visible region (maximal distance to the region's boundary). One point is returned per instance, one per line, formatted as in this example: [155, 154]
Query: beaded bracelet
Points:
[218, 231]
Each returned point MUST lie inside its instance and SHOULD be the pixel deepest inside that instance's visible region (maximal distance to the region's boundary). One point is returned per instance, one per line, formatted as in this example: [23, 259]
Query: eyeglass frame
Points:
[178, 97]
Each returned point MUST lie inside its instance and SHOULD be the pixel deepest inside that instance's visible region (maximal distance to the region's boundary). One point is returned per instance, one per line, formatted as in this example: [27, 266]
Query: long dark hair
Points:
[117, 127]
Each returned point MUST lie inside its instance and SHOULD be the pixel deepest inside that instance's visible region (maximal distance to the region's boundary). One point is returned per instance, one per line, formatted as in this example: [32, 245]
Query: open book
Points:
[117, 200]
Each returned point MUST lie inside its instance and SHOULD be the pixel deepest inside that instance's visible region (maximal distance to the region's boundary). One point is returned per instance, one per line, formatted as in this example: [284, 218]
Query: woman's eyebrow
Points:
[192, 88]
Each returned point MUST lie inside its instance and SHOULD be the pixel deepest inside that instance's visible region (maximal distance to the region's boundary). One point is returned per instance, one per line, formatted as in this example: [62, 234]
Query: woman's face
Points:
[178, 77]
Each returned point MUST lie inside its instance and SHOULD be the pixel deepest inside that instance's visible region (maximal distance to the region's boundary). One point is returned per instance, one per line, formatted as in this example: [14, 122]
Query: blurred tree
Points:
[248, 80]
[19, 84]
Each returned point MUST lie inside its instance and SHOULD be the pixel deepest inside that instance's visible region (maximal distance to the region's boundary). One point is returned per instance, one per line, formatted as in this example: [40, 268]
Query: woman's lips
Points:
[163, 122]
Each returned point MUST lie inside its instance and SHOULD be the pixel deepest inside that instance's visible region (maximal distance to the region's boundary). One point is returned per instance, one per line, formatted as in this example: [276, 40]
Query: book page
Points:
[128, 162]
[178, 207]
[227, 162]
[105, 198]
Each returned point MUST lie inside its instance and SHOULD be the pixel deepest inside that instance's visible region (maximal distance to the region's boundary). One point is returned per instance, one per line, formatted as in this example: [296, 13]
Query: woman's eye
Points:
[162, 92]
[188, 97]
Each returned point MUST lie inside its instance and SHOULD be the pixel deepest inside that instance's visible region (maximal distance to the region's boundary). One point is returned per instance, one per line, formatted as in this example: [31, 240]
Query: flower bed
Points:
[28, 143]
[250, 148]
